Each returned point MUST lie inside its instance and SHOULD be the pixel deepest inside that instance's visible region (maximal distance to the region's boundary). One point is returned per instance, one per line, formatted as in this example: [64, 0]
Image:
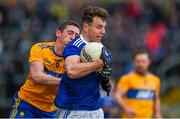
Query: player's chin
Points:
[141, 70]
[68, 42]
[99, 39]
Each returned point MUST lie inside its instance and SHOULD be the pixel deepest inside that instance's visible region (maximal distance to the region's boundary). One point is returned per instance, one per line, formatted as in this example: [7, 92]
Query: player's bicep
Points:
[119, 92]
[123, 84]
[157, 86]
[71, 61]
[36, 67]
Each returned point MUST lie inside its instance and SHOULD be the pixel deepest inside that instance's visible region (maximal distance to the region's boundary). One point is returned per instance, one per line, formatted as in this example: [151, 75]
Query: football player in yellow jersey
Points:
[36, 97]
[137, 93]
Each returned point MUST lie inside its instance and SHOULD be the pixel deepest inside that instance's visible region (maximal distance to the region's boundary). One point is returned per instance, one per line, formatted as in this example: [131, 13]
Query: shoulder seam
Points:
[78, 42]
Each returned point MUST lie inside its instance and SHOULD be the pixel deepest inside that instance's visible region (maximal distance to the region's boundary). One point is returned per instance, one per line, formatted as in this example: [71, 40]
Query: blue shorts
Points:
[22, 109]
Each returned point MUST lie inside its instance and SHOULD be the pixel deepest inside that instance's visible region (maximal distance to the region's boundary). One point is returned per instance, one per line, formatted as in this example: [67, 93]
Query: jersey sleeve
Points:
[36, 54]
[71, 50]
[157, 89]
[123, 84]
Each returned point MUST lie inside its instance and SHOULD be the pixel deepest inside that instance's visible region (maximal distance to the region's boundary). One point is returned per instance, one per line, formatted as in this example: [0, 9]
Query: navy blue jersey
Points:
[81, 93]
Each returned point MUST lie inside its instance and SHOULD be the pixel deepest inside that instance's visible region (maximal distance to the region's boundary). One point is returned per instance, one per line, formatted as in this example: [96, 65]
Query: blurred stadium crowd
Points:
[154, 24]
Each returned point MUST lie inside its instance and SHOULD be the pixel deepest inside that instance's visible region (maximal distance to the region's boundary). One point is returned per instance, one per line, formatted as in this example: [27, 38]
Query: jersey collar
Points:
[55, 52]
[83, 39]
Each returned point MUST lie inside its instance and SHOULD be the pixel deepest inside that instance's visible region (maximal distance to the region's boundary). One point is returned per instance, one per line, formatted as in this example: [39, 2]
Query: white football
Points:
[91, 52]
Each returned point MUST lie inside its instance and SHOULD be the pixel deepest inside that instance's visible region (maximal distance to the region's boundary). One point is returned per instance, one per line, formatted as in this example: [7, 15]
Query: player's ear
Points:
[85, 26]
[58, 33]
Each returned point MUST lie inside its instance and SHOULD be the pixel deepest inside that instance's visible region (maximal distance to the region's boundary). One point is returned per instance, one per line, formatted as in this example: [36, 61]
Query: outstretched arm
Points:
[38, 75]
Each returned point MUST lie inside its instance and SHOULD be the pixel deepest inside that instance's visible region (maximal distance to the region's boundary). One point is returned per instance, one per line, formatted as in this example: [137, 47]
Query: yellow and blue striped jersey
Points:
[40, 95]
[140, 91]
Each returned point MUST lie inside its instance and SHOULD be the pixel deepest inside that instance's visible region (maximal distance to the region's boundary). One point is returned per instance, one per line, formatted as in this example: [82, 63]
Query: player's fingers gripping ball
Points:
[106, 56]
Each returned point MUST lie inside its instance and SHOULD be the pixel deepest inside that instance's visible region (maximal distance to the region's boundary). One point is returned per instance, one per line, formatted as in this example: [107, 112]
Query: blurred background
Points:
[154, 24]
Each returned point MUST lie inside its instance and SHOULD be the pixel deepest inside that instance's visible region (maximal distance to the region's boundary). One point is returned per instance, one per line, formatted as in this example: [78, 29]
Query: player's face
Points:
[141, 62]
[69, 33]
[96, 29]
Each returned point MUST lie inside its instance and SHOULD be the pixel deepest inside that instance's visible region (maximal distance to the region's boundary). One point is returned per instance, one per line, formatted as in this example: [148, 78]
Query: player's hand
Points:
[106, 85]
[105, 73]
[105, 76]
[130, 112]
[158, 115]
[106, 56]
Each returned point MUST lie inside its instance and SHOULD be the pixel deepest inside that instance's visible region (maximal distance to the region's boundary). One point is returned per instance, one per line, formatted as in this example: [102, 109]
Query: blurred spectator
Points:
[1, 46]
[60, 10]
[133, 9]
[3, 16]
[153, 40]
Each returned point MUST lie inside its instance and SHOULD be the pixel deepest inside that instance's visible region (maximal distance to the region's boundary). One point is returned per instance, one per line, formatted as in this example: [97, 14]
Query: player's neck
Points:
[58, 49]
[84, 35]
[142, 73]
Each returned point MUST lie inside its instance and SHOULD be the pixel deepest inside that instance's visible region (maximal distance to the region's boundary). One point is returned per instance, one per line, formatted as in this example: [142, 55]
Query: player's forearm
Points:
[82, 69]
[121, 103]
[157, 107]
[119, 99]
[42, 78]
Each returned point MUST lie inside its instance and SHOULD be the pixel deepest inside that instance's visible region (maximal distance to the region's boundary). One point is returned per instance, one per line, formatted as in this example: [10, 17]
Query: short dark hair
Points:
[90, 12]
[140, 51]
[66, 23]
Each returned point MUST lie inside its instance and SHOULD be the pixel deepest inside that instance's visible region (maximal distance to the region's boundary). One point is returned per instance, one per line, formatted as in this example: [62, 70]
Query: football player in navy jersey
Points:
[78, 94]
